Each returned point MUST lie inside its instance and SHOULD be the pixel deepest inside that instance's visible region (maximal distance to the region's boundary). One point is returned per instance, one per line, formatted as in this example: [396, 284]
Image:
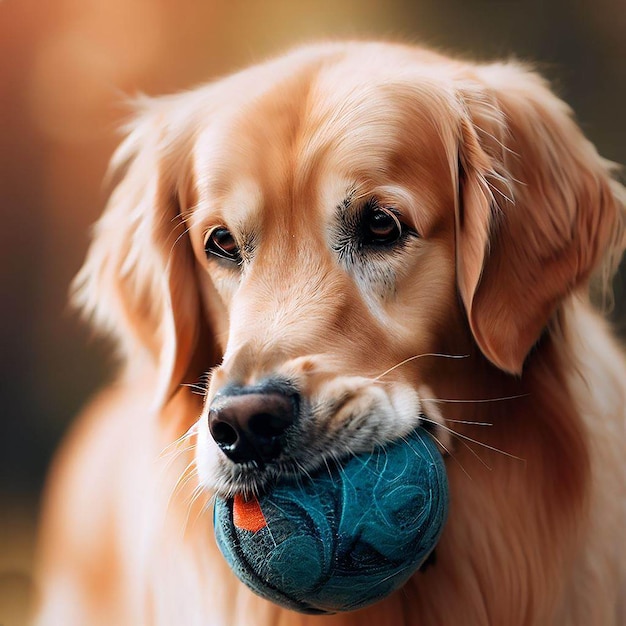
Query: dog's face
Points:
[332, 223]
[323, 232]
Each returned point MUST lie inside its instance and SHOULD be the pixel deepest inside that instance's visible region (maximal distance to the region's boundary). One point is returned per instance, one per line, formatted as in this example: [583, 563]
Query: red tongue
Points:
[247, 514]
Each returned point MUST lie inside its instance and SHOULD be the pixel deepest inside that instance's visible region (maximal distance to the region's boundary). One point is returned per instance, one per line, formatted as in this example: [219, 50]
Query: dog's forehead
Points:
[312, 135]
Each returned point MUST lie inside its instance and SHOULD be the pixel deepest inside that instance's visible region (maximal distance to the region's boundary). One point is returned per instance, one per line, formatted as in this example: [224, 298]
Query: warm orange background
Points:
[65, 67]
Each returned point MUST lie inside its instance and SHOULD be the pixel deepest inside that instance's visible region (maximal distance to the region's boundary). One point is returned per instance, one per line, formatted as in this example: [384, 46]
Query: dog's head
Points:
[321, 231]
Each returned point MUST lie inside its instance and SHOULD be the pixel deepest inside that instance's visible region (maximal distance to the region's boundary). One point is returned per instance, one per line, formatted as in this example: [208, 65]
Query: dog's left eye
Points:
[380, 226]
[220, 243]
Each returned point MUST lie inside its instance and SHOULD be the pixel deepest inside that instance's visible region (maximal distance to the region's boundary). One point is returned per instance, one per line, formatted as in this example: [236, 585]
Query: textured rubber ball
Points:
[344, 538]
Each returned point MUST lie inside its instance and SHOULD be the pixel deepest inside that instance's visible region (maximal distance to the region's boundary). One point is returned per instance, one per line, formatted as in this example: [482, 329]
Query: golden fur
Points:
[515, 211]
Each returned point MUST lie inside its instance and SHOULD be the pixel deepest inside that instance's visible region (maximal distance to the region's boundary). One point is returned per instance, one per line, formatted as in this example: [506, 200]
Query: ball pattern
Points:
[344, 538]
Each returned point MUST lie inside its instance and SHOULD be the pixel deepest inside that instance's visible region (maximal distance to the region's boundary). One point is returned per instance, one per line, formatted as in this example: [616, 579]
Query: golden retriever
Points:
[381, 232]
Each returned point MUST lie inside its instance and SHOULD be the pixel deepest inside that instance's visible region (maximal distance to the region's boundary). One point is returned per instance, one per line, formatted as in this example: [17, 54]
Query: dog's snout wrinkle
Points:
[249, 425]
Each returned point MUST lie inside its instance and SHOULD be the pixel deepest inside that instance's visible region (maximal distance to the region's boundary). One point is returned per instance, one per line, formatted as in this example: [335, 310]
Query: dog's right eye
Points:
[220, 243]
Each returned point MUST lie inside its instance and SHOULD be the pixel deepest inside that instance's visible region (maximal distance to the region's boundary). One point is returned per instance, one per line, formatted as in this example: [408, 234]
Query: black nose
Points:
[249, 424]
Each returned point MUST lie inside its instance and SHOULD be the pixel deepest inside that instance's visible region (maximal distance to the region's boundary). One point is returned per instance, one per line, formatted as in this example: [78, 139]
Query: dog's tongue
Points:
[247, 514]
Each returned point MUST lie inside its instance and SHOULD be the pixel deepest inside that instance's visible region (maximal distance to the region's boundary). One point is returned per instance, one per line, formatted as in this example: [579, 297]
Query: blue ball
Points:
[345, 538]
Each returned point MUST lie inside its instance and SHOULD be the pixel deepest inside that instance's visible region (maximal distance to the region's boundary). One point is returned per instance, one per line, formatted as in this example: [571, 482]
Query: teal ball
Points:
[343, 538]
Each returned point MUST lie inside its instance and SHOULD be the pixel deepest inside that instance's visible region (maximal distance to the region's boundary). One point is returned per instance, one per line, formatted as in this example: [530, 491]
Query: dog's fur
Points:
[514, 211]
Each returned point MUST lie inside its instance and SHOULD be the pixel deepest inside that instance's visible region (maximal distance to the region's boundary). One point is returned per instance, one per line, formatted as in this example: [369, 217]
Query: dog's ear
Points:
[537, 209]
[138, 282]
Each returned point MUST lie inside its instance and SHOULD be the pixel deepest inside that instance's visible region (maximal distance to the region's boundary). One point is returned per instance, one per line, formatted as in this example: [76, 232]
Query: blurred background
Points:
[66, 67]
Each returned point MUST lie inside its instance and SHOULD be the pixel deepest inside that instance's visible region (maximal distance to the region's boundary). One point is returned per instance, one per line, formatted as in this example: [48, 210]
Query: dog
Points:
[364, 237]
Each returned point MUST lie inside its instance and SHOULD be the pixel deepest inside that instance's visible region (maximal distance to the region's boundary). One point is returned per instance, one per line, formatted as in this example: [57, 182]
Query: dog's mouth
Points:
[253, 479]
[353, 416]
[303, 456]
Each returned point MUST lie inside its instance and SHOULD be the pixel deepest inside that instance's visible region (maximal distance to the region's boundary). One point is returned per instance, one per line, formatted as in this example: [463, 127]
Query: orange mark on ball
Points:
[247, 514]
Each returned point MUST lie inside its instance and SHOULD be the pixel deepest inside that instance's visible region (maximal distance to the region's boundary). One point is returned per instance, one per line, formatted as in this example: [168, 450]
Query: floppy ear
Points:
[537, 210]
[138, 281]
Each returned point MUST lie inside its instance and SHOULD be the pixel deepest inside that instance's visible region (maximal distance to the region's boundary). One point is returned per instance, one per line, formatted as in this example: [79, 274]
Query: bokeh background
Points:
[66, 67]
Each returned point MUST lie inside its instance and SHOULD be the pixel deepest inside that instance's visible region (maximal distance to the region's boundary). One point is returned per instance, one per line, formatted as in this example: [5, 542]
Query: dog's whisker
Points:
[452, 456]
[199, 390]
[420, 356]
[188, 473]
[194, 386]
[189, 212]
[467, 422]
[182, 218]
[480, 443]
[426, 419]
[303, 469]
[209, 504]
[477, 401]
[169, 256]
[185, 476]
[190, 432]
[174, 455]
[195, 496]
[330, 473]
[476, 454]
